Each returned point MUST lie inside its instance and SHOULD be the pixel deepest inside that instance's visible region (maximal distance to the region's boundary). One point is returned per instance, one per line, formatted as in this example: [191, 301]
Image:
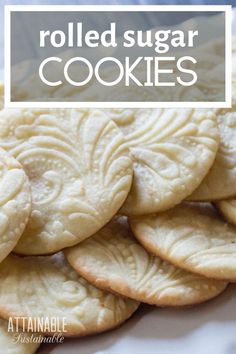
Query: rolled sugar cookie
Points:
[220, 181]
[15, 202]
[192, 237]
[79, 169]
[48, 287]
[227, 209]
[172, 151]
[113, 260]
[12, 342]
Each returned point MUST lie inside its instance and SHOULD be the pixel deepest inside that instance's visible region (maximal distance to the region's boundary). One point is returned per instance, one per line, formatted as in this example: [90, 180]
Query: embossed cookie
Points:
[172, 150]
[220, 181]
[10, 344]
[190, 236]
[79, 169]
[15, 202]
[49, 287]
[113, 260]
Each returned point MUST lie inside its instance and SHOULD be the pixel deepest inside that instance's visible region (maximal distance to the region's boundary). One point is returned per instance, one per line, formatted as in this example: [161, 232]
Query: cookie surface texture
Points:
[227, 209]
[51, 288]
[113, 260]
[192, 237]
[79, 170]
[172, 149]
[220, 181]
[15, 202]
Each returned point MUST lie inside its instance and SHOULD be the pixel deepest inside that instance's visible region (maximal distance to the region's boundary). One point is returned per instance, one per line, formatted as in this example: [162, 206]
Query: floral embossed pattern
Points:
[79, 169]
[15, 202]
[220, 181]
[48, 286]
[111, 188]
[172, 149]
[191, 236]
[113, 260]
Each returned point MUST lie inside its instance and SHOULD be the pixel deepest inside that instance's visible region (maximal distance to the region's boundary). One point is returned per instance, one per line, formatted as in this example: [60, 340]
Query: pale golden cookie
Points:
[79, 169]
[192, 237]
[10, 342]
[49, 287]
[220, 182]
[113, 260]
[15, 202]
[172, 150]
[227, 209]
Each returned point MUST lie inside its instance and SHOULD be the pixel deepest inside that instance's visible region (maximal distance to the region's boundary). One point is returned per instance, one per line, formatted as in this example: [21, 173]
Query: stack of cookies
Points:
[101, 210]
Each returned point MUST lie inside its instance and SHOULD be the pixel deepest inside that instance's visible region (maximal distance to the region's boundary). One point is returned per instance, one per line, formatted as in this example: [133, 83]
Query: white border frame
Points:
[49, 8]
